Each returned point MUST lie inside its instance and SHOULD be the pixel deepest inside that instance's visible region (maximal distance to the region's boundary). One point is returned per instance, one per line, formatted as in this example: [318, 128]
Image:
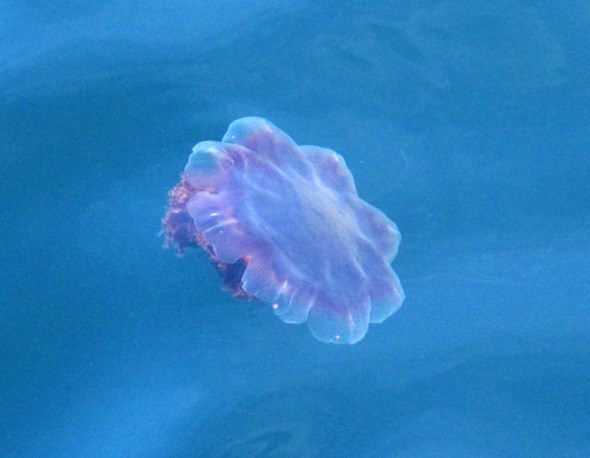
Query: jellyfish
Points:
[283, 224]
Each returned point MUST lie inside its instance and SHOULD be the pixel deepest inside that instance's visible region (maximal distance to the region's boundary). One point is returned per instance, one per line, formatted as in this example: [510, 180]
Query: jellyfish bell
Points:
[284, 224]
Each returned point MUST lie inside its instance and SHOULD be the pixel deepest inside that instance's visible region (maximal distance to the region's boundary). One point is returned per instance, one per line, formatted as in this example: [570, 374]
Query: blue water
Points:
[465, 121]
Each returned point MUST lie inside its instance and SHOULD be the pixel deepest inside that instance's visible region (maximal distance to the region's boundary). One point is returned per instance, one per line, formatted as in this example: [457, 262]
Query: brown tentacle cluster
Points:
[180, 232]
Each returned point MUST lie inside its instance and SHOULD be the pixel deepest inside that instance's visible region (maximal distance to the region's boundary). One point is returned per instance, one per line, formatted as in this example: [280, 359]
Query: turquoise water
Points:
[466, 122]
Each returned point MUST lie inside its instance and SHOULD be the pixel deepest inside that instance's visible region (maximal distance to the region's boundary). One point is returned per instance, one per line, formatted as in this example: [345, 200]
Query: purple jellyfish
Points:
[284, 224]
